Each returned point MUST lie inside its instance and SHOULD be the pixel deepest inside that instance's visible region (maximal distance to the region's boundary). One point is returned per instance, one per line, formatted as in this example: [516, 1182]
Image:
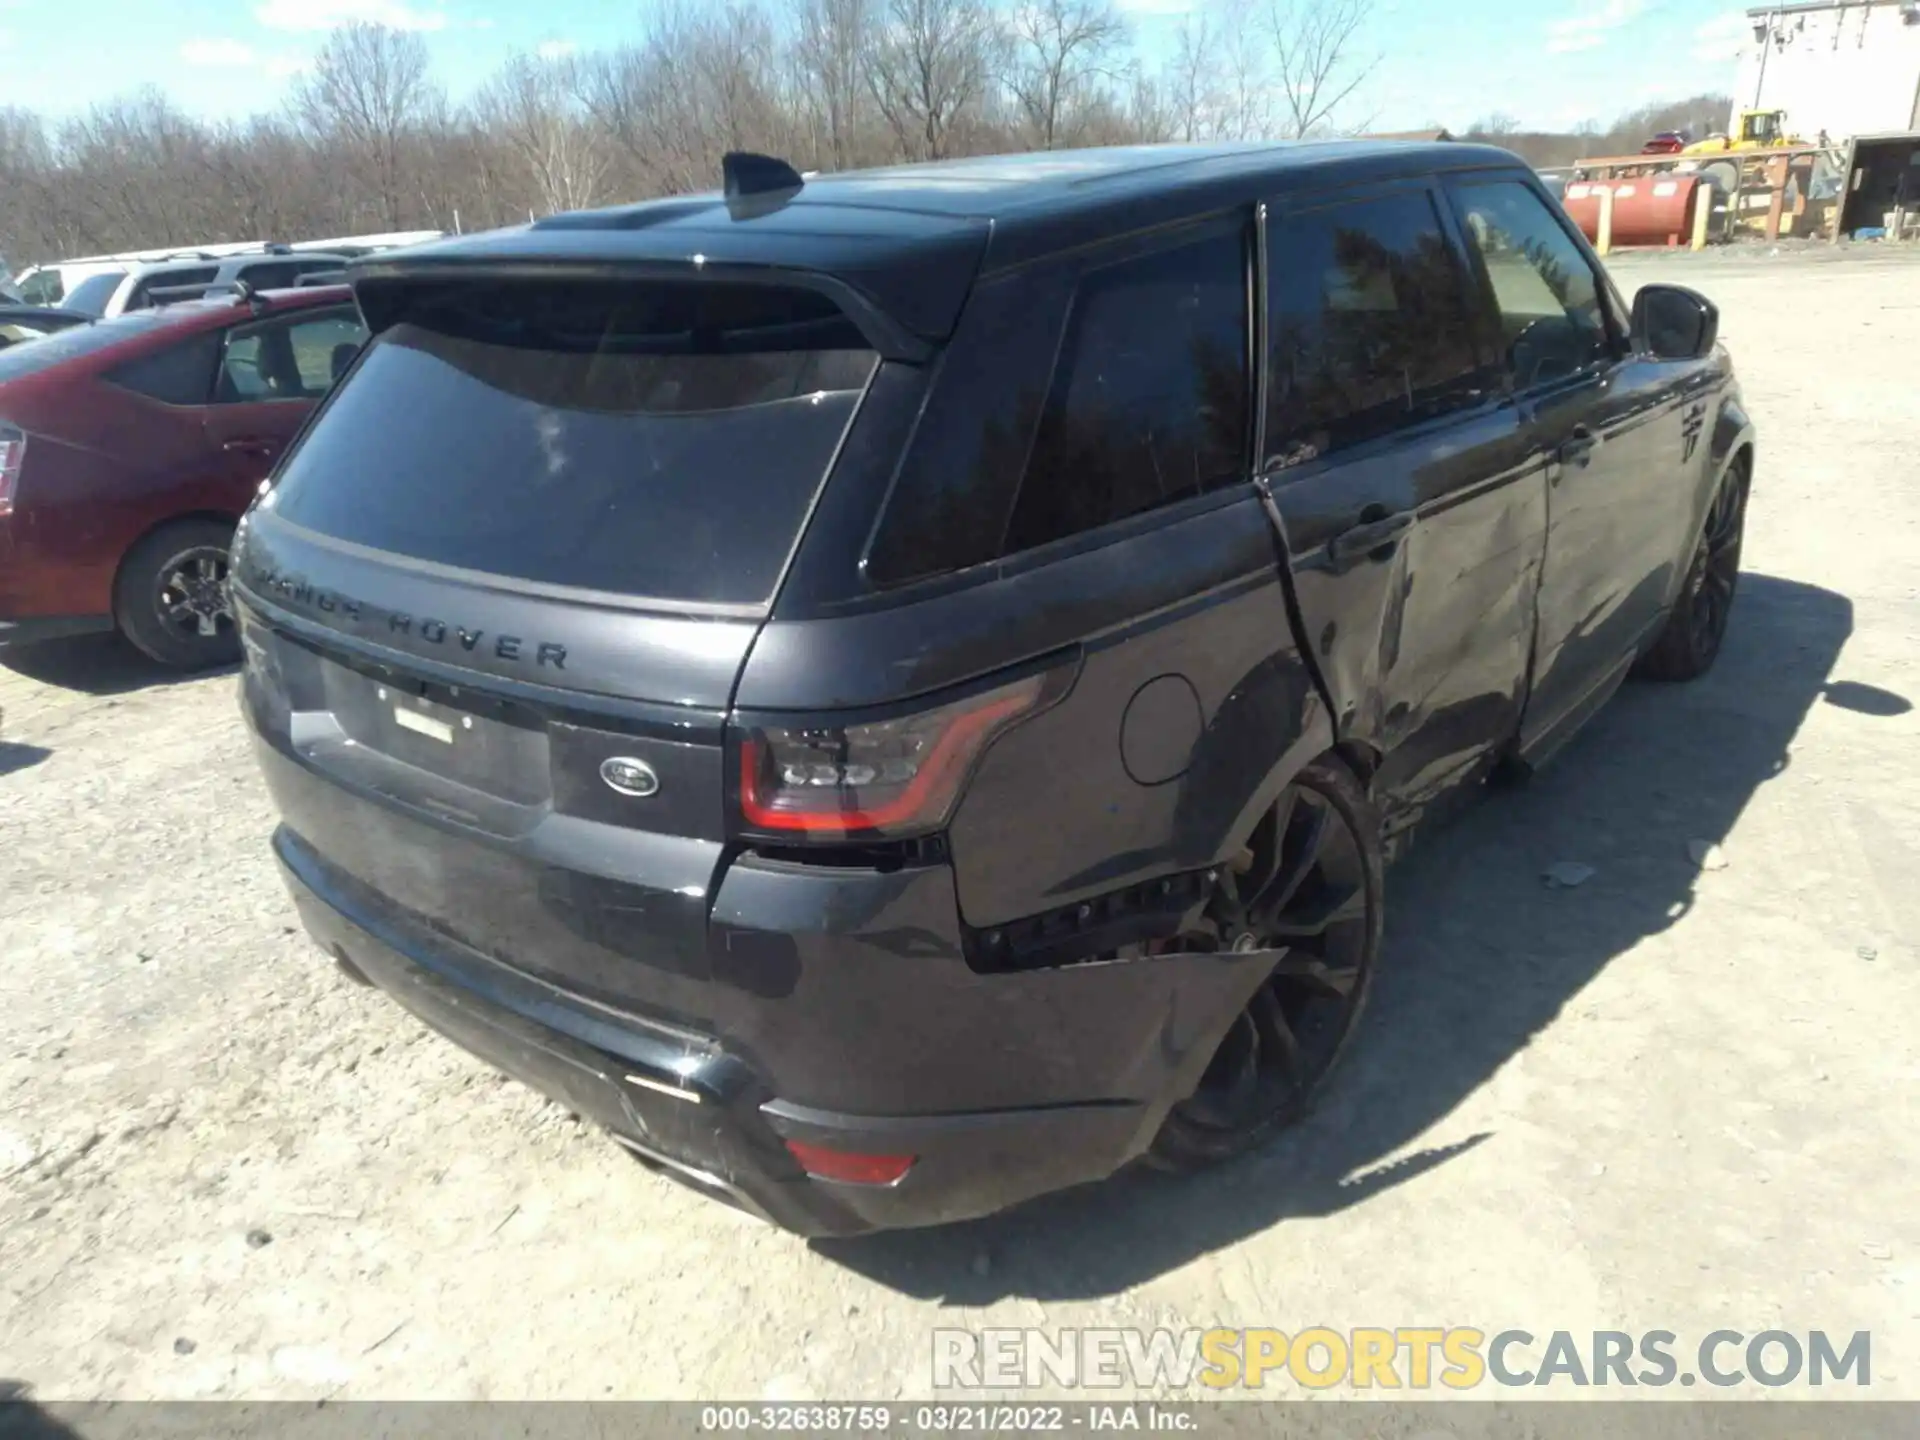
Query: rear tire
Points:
[1313, 879]
[171, 596]
[1690, 641]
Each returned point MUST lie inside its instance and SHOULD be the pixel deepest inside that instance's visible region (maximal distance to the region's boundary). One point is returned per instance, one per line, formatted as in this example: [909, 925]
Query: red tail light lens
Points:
[13, 455]
[884, 778]
[843, 1165]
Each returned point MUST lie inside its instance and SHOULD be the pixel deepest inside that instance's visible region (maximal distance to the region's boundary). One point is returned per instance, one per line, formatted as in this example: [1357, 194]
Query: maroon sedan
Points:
[129, 448]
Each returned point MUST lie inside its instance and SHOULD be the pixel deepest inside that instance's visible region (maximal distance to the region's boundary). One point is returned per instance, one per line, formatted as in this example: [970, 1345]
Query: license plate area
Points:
[497, 749]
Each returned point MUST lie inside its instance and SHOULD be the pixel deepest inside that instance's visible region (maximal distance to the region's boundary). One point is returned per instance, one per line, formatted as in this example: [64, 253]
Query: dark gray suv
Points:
[893, 692]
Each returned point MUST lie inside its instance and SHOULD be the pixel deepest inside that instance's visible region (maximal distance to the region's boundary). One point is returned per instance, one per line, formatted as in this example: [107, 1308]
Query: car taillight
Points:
[880, 778]
[13, 455]
[847, 1167]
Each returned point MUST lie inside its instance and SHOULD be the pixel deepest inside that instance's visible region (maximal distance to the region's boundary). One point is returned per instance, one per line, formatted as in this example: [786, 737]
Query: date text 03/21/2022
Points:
[956, 1419]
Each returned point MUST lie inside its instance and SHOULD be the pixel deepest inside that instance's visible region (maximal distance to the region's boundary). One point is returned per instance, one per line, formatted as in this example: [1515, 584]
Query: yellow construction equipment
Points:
[1758, 130]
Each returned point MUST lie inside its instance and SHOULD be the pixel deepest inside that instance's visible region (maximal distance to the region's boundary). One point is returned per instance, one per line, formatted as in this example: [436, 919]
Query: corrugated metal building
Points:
[1843, 68]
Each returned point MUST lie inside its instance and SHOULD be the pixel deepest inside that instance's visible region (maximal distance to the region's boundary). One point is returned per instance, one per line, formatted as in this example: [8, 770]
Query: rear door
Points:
[1608, 428]
[1410, 498]
[271, 374]
[499, 596]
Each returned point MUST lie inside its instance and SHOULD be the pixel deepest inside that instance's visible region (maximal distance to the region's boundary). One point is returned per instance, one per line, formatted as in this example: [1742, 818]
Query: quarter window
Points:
[1551, 318]
[1370, 326]
[1149, 402]
[177, 375]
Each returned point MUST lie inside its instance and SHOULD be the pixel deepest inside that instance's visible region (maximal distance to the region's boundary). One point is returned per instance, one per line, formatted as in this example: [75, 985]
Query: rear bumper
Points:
[707, 1109]
[36, 629]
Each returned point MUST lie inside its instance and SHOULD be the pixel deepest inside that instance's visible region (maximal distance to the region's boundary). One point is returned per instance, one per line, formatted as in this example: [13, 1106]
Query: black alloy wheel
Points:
[171, 598]
[192, 593]
[1308, 880]
[1691, 640]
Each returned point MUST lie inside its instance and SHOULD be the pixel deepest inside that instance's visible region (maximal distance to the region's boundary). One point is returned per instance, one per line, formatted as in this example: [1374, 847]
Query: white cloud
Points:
[222, 54]
[555, 49]
[1590, 28]
[1723, 37]
[328, 14]
[285, 67]
[1156, 7]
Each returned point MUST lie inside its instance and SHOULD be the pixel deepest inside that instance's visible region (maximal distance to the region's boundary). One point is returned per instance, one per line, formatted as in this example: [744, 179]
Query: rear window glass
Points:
[662, 442]
[93, 293]
[63, 345]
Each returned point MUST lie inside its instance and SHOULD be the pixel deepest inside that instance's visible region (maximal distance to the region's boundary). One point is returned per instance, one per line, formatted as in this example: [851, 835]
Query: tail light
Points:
[13, 455]
[878, 779]
[847, 1167]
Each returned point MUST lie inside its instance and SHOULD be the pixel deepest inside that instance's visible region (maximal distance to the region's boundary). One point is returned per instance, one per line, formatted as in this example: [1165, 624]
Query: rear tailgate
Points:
[496, 602]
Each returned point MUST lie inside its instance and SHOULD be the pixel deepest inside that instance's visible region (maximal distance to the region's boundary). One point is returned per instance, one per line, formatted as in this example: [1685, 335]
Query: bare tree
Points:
[932, 61]
[1192, 85]
[1248, 111]
[1313, 43]
[1059, 51]
[830, 53]
[367, 87]
[534, 107]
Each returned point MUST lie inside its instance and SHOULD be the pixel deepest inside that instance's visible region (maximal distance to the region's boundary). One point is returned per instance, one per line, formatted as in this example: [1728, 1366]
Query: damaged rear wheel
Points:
[1309, 882]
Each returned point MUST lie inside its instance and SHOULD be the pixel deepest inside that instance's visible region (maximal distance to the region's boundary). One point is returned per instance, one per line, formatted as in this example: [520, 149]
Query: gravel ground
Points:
[1667, 1098]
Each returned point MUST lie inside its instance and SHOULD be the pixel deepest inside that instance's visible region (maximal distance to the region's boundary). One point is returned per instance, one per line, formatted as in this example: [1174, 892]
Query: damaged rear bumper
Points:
[844, 1015]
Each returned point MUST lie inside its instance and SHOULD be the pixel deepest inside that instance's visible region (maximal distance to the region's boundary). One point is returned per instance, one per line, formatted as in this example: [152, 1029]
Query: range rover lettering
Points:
[894, 692]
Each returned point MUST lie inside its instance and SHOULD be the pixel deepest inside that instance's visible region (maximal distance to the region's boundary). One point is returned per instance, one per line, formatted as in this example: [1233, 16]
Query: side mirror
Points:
[1671, 322]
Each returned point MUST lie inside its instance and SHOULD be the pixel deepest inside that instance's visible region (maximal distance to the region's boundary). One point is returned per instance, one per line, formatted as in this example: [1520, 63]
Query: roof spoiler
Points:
[384, 291]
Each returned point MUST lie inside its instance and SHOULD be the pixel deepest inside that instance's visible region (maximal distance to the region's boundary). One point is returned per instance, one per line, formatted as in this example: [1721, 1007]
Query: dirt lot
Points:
[1664, 1099]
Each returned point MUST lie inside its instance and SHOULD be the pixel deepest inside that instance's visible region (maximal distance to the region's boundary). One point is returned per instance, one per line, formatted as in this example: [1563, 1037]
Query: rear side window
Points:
[180, 374]
[1370, 325]
[1149, 401]
[92, 294]
[274, 275]
[662, 442]
[142, 295]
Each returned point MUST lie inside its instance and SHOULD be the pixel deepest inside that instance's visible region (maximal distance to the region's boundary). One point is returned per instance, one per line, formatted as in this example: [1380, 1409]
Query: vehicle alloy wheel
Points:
[1691, 641]
[1308, 883]
[171, 596]
[192, 593]
[1715, 573]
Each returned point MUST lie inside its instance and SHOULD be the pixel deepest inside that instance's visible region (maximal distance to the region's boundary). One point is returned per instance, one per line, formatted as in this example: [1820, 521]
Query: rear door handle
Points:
[248, 445]
[1577, 448]
[1369, 536]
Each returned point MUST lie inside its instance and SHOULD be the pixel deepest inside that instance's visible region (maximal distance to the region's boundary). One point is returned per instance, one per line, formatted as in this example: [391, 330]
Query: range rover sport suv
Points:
[893, 692]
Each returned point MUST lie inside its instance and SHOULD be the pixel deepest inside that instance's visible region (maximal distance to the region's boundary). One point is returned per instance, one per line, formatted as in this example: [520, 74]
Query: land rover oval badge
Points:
[629, 776]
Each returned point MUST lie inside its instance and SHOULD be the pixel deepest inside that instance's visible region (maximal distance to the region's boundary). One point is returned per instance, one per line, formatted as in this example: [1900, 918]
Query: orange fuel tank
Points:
[1647, 209]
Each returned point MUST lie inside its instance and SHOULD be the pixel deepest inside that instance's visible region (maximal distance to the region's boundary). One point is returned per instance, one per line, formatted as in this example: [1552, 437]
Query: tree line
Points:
[1698, 116]
[367, 139]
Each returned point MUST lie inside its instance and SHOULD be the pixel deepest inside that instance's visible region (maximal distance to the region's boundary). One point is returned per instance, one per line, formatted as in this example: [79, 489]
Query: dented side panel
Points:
[1424, 642]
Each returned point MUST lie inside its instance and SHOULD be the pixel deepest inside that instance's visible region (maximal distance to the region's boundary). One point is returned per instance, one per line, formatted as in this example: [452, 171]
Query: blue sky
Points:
[1549, 64]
